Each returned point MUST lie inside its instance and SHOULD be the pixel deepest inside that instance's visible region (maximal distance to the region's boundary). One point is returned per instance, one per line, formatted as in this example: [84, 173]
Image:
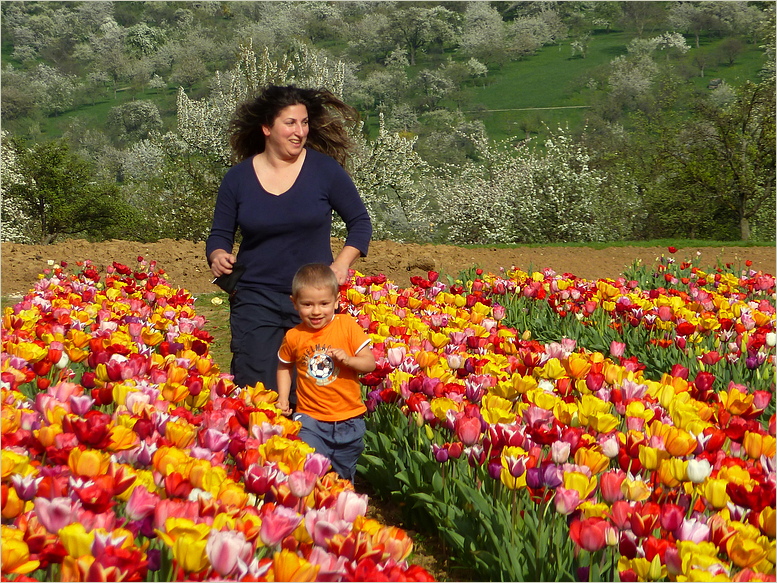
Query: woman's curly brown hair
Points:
[327, 118]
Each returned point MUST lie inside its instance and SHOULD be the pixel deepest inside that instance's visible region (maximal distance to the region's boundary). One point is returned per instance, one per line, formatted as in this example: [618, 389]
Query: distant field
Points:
[554, 78]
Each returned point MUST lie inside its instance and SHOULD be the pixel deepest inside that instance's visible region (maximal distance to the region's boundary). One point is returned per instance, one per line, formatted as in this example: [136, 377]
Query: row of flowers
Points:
[128, 455]
[651, 473]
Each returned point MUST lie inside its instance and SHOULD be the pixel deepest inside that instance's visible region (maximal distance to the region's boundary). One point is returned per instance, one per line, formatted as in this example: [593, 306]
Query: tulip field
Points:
[543, 426]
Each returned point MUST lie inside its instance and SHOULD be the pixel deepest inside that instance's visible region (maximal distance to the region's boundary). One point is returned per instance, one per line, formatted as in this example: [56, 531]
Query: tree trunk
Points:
[744, 228]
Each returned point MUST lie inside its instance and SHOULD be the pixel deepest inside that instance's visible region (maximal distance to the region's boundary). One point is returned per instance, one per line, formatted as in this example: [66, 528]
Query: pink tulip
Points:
[559, 451]
[323, 524]
[81, 404]
[396, 355]
[332, 567]
[225, 549]
[172, 508]
[302, 482]
[214, 440]
[693, 530]
[278, 524]
[617, 349]
[141, 503]
[92, 521]
[317, 463]
[566, 500]
[350, 505]
[665, 313]
[610, 485]
[56, 513]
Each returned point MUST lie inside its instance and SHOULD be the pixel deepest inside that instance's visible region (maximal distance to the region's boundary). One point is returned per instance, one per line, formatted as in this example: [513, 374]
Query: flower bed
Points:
[128, 455]
[551, 428]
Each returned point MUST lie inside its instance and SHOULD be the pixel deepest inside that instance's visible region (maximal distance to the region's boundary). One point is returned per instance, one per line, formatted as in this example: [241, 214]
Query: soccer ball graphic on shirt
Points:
[321, 367]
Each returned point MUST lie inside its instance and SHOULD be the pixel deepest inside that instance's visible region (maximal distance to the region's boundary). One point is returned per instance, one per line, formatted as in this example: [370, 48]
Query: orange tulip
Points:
[15, 553]
[289, 566]
[757, 445]
[743, 551]
[88, 462]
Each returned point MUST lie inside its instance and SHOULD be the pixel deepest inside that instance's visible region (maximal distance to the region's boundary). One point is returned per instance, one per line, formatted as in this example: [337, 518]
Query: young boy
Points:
[329, 351]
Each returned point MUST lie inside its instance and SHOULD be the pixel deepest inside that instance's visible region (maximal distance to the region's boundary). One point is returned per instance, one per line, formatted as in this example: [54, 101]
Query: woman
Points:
[291, 146]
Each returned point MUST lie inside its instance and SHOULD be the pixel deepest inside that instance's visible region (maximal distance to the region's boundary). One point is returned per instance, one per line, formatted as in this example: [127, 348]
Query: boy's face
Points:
[316, 306]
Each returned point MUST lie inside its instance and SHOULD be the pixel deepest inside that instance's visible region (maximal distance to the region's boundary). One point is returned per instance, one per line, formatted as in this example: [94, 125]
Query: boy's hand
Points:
[340, 356]
[283, 405]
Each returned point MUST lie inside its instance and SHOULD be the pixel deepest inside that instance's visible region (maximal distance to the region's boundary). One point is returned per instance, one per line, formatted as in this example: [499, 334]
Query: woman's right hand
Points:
[221, 262]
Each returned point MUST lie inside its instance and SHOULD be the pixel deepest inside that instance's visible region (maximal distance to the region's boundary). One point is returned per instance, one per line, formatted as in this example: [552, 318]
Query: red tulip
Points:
[645, 518]
[654, 546]
[592, 534]
[467, 429]
[672, 516]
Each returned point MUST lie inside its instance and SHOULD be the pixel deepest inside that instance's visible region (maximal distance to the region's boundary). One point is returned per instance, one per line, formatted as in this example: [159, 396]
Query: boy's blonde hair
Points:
[317, 275]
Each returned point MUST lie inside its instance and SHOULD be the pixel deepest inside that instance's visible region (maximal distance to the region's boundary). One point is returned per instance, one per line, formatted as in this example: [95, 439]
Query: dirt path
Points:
[185, 265]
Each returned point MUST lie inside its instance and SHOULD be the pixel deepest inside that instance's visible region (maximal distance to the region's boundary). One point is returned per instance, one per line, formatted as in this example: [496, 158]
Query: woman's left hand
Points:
[343, 262]
[341, 272]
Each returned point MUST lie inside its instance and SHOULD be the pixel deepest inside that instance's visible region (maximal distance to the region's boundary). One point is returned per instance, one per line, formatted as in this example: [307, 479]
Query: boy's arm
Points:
[283, 381]
[363, 361]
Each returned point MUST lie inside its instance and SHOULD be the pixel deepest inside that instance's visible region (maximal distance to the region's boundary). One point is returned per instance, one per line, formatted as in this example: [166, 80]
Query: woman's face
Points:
[287, 136]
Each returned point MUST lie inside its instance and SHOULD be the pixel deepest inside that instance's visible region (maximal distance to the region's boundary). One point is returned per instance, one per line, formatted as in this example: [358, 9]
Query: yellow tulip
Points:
[123, 438]
[13, 463]
[189, 551]
[638, 409]
[552, 369]
[678, 468]
[180, 433]
[767, 520]
[542, 399]
[511, 482]
[736, 475]
[603, 423]
[635, 489]
[714, 490]
[290, 455]
[580, 482]
[650, 457]
[76, 540]
[441, 405]
[168, 459]
[592, 458]
[523, 384]
[735, 401]
[232, 494]
[591, 406]
[594, 509]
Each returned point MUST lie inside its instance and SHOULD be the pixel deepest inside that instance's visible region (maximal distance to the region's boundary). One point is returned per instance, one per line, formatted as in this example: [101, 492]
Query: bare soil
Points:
[185, 265]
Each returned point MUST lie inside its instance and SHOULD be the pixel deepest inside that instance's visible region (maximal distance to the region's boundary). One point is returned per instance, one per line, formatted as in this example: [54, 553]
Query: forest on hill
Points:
[483, 122]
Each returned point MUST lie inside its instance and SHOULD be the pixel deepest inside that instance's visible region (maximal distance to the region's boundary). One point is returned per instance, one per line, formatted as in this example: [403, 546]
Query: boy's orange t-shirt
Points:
[325, 391]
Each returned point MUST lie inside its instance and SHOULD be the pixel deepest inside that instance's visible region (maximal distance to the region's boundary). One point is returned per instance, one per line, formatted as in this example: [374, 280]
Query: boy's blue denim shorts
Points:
[341, 441]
